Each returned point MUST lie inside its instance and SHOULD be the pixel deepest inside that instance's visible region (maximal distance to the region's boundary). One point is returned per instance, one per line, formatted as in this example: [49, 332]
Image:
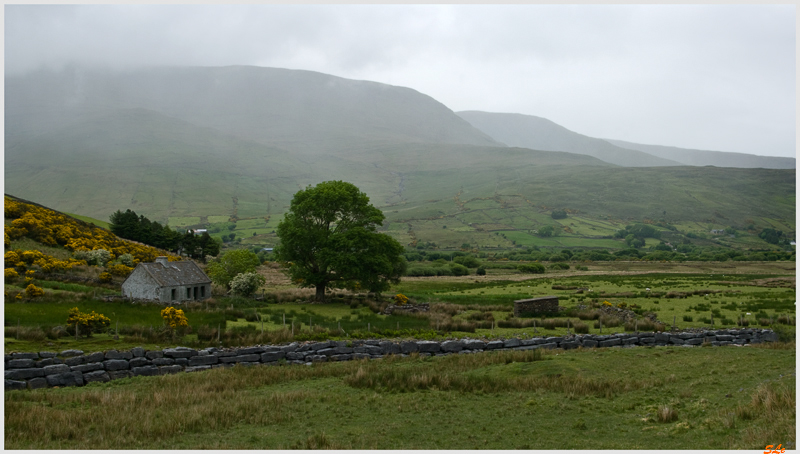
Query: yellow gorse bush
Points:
[11, 274]
[174, 318]
[400, 299]
[87, 323]
[32, 291]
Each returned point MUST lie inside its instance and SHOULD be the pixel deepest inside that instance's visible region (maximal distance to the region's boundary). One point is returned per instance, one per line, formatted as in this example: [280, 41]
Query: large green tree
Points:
[329, 240]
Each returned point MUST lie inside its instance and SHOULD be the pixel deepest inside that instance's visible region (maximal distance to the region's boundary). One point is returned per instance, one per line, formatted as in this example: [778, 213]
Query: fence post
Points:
[369, 328]
[218, 331]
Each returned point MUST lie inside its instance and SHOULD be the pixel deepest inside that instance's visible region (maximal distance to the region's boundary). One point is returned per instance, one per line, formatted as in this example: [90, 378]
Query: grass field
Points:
[636, 398]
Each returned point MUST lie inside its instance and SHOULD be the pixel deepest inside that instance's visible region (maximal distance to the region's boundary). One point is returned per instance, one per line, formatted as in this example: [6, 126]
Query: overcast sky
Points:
[716, 77]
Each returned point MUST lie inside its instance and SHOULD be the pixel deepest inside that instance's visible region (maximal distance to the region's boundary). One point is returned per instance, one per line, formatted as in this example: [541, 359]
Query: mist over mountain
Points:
[184, 145]
[542, 134]
[694, 157]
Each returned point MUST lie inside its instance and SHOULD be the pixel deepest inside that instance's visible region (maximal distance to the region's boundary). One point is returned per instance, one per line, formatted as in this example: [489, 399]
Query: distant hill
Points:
[542, 134]
[538, 133]
[291, 109]
[693, 157]
[199, 146]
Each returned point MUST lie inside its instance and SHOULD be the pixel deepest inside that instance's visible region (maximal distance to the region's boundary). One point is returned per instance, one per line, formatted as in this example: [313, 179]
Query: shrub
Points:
[245, 284]
[581, 328]
[87, 323]
[459, 270]
[481, 271]
[468, 261]
[32, 291]
[11, 274]
[127, 260]
[559, 266]
[120, 270]
[174, 318]
[400, 299]
[531, 268]
[687, 318]
[666, 414]
[105, 277]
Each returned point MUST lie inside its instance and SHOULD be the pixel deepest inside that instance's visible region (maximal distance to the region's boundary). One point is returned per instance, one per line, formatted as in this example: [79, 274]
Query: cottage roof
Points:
[170, 274]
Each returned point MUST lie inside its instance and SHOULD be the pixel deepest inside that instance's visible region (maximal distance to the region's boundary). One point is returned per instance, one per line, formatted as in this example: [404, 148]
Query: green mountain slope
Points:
[198, 146]
[541, 134]
[710, 158]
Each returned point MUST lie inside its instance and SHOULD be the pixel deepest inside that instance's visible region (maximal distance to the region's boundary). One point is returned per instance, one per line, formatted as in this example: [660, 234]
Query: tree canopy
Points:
[227, 266]
[328, 237]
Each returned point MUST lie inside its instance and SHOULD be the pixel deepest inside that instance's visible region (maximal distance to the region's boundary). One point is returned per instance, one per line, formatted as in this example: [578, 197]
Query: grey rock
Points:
[647, 334]
[724, 337]
[556, 340]
[511, 343]
[549, 345]
[163, 370]
[589, 343]
[48, 362]
[23, 374]
[69, 353]
[145, 370]
[686, 336]
[452, 346]
[676, 340]
[474, 344]
[15, 384]
[163, 361]
[290, 348]
[294, 356]
[75, 360]
[342, 350]
[317, 358]
[493, 345]
[225, 353]
[694, 341]
[89, 367]
[389, 348]
[534, 341]
[610, 342]
[568, 345]
[182, 361]
[95, 357]
[37, 383]
[249, 358]
[113, 354]
[202, 361]
[662, 337]
[251, 351]
[25, 356]
[409, 347]
[96, 376]
[20, 363]
[179, 352]
[630, 340]
[138, 361]
[56, 369]
[65, 379]
[429, 347]
[116, 364]
[647, 340]
[197, 368]
[272, 356]
[362, 356]
[343, 357]
[47, 355]
[153, 354]
[118, 374]
[137, 352]
[320, 345]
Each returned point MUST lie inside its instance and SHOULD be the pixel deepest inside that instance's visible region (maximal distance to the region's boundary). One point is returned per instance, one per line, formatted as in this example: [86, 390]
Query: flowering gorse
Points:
[174, 318]
[87, 323]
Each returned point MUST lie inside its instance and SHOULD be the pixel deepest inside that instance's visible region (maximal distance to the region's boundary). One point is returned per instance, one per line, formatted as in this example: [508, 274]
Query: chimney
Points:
[162, 260]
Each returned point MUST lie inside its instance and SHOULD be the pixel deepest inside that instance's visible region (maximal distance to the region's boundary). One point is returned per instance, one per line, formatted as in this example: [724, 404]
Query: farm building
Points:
[167, 282]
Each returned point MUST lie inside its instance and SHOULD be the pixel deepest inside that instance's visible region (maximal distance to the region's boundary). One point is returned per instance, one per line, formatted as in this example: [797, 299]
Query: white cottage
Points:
[167, 282]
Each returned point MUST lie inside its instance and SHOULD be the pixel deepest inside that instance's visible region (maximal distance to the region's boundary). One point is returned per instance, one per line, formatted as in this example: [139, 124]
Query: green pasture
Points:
[634, 399]
[90, 220]
[183, 221]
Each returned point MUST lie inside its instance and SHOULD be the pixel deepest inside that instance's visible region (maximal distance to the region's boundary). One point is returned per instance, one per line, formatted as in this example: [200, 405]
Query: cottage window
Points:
[195, 293]
[173, 294]
[188, 293]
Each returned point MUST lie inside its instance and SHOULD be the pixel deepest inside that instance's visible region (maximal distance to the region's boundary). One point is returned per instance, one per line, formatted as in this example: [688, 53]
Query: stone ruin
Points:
[541, 305]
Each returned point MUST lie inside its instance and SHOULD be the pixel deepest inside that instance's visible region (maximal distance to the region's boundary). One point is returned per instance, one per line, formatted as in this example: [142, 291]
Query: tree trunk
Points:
[320, 293]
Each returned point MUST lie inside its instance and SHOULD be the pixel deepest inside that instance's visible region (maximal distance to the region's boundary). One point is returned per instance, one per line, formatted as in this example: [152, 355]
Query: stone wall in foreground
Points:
[74, 368]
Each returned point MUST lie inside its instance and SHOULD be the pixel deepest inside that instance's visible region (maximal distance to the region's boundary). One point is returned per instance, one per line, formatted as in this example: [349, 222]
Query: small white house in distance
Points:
[167, 282]
[197, 231]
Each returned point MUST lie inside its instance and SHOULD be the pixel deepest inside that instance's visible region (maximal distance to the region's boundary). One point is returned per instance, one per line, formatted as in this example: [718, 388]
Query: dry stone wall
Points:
[74, 368]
